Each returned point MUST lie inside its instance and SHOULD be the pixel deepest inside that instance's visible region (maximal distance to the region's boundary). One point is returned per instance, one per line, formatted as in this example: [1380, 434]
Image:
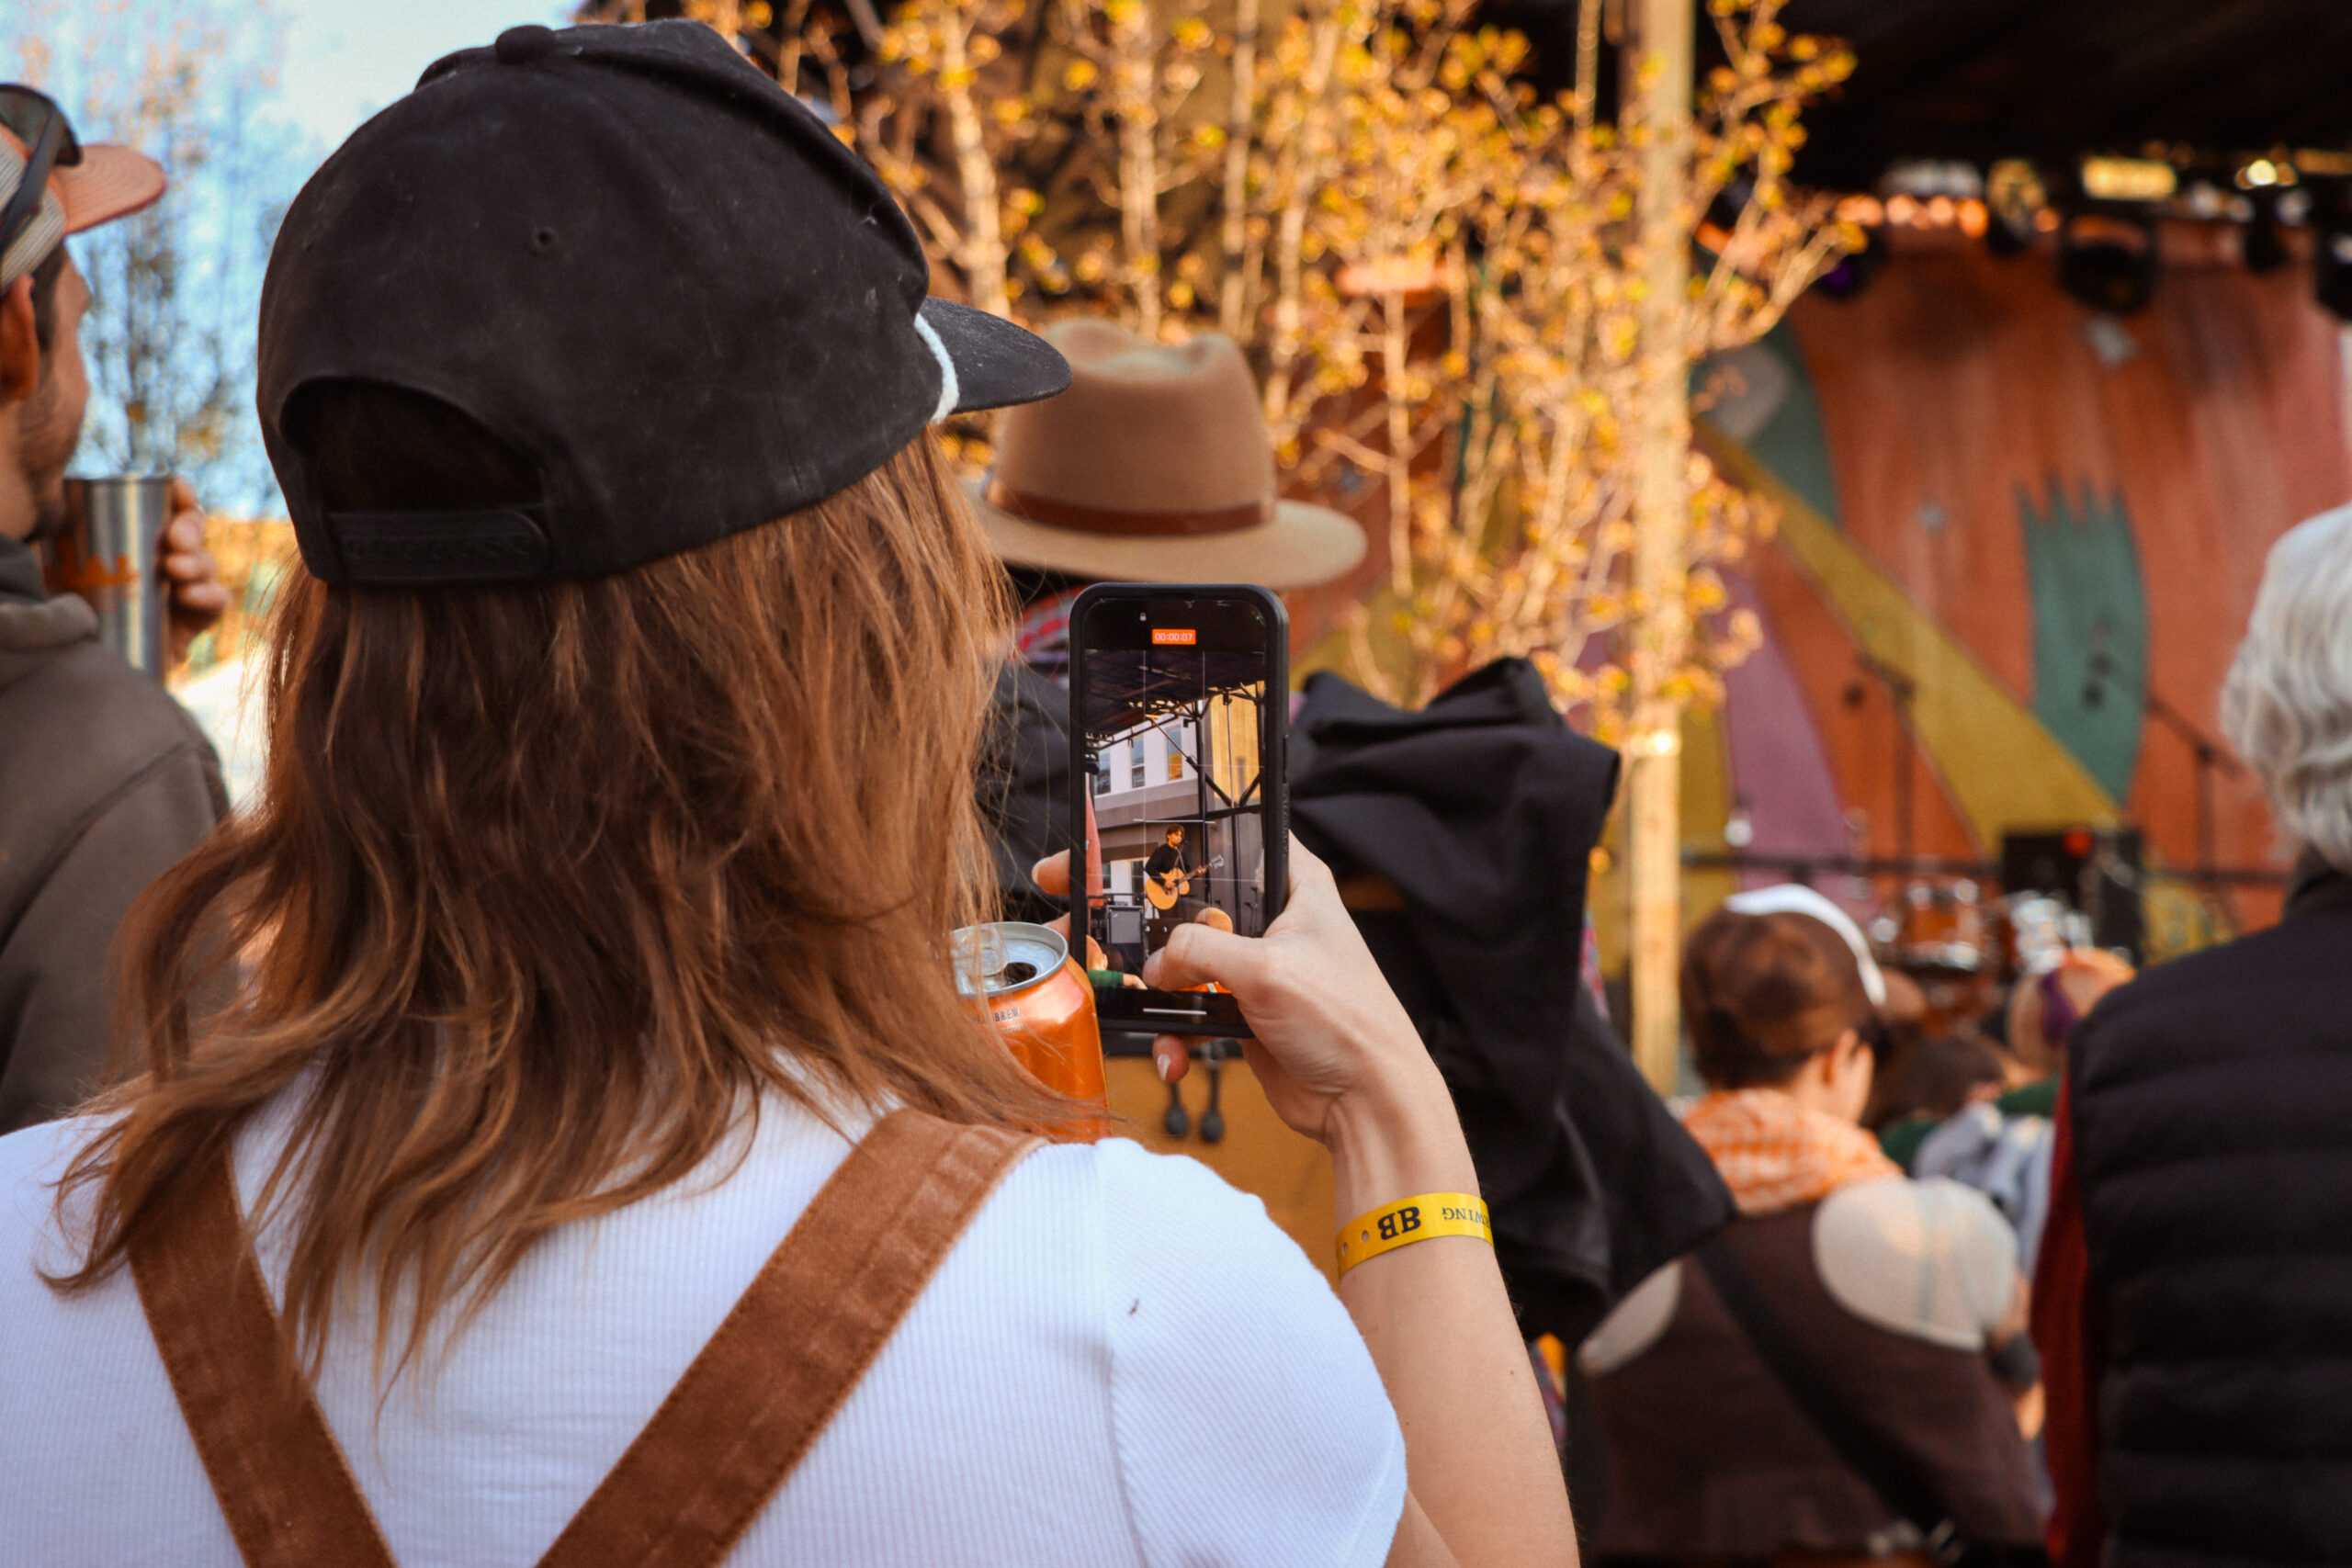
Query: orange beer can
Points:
[1040, 1001]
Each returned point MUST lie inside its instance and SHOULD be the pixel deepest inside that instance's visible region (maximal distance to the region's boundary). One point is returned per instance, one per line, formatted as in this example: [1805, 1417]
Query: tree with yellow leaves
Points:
[1526, 216]
[1487, 301]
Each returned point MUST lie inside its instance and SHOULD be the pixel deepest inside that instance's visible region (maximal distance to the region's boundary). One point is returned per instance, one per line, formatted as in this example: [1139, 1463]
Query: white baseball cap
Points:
[1795, 899]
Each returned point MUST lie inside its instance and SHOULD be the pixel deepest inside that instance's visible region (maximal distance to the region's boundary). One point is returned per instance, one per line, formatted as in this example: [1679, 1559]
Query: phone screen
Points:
[1179, 698]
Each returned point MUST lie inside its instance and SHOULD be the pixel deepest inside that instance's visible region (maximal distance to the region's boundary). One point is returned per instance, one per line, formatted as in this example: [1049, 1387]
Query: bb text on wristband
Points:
[1409, 1220]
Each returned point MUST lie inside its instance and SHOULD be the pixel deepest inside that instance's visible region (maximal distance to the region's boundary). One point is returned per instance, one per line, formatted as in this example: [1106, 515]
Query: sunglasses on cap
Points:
[34, 120]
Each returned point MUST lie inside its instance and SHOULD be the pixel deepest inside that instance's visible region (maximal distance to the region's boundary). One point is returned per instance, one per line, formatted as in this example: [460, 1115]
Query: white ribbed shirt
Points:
[1122, 1362]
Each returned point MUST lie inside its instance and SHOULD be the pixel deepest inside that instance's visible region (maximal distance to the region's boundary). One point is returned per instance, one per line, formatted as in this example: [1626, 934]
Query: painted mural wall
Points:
[2020, 542]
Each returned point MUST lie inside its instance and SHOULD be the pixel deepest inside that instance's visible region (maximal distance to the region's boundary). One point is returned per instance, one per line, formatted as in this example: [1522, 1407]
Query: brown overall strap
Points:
[281, 1480]
[742, 1416]
[796, 1343]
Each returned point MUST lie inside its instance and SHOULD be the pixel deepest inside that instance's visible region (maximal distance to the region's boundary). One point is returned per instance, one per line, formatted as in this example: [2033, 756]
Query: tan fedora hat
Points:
[1155, 466]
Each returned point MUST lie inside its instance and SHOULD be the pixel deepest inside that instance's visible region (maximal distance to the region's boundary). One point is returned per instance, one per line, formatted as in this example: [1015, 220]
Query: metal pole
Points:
[1661, 86]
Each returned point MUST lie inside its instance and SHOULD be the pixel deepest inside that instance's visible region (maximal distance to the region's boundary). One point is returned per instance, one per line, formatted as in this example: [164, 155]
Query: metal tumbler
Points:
[106, 554]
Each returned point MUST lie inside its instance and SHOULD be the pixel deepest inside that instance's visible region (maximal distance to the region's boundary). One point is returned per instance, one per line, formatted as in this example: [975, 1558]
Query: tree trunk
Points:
[1662, 523]
[1132, 48]
[983, 247]
[1233, 299]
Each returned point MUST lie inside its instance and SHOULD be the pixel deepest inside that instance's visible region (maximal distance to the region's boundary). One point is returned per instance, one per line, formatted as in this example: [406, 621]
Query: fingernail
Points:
[1165, 1062]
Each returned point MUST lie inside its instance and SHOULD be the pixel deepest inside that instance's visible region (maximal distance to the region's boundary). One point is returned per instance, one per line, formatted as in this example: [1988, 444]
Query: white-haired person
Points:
[2194, 1294]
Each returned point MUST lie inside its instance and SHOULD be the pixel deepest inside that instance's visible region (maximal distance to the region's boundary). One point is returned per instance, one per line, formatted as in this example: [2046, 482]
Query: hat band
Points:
[1109, 520]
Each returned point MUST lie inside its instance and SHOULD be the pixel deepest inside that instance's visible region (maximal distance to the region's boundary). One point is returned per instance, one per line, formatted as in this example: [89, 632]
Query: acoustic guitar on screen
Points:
[1164, 887]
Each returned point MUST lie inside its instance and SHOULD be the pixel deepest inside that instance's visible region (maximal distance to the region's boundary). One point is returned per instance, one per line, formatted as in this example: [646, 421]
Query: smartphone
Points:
[1179, 720]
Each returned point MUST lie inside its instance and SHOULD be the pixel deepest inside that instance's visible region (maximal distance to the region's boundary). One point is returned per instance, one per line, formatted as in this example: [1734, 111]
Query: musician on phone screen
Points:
[1166, 873]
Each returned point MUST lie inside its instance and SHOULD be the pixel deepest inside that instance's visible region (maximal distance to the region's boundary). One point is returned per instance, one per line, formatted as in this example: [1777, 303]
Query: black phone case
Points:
[1214, 1015]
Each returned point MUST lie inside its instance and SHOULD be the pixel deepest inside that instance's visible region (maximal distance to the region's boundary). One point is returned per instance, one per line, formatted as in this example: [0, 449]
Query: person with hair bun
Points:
[1894, 1299]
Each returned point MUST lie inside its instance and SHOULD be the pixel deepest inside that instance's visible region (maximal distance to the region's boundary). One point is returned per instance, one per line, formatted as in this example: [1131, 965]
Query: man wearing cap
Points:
[1155, 466]
[103, 779]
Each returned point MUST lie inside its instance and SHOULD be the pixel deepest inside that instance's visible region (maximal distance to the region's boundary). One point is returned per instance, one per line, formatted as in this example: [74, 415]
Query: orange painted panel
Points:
[1957, 382]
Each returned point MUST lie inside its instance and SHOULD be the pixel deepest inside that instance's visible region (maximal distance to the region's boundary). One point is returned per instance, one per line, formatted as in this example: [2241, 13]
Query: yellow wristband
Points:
[1409, 1220]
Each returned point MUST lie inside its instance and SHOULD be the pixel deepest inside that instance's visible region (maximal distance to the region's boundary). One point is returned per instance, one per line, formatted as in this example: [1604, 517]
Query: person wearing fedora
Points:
[566, 1139]
[1155, 466]
[104, 780]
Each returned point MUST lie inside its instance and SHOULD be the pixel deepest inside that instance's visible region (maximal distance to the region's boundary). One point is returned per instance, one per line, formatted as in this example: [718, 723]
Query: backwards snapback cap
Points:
[639, 264]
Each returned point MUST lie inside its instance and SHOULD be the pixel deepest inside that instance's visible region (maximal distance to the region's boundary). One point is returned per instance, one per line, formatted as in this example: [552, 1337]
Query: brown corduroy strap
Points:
[281, 1480]
[792, 1350]
[742, 1416]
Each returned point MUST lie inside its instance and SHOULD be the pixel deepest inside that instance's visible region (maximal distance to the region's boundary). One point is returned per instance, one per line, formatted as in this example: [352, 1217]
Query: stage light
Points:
[2104, 273]
[2015, 200]
[2128, 179]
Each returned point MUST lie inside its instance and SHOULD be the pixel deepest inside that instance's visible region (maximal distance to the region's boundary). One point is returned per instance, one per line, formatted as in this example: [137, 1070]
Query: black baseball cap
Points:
[636, 262]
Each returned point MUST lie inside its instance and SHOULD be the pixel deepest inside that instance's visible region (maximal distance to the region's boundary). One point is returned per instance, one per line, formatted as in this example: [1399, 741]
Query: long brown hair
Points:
[548, 883]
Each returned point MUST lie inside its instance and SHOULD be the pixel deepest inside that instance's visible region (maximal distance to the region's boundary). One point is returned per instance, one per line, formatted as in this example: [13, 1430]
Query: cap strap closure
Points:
[1115, 520]
[496, 546]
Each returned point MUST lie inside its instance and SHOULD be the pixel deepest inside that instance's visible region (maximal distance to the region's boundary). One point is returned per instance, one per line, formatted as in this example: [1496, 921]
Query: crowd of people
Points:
[2151, 1172]
[541, 1125]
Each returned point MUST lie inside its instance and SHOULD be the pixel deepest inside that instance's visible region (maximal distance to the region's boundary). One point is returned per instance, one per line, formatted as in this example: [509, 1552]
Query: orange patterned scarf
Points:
[1775, 1154]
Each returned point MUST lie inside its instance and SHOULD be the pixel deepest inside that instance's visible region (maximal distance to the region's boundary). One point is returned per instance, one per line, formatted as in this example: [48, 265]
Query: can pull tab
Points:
[1000, 969]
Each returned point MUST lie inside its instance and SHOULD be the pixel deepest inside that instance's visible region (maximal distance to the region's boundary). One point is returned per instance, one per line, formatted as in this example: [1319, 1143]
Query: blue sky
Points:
[346, 59]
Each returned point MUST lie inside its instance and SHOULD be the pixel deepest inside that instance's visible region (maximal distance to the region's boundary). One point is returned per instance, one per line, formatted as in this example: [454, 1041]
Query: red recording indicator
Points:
[1167, 637]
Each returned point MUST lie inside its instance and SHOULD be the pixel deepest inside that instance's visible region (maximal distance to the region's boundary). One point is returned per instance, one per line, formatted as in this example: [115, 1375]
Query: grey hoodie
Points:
[104, 780]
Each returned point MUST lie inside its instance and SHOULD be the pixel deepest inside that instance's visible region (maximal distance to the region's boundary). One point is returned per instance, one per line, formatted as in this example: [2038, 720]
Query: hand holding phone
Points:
[1179, 723]
[1322, 1030]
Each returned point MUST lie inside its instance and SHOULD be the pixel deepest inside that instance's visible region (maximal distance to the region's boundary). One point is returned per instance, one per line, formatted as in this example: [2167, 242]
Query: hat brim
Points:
[107, 184]
[997, 363]
[1299, 546]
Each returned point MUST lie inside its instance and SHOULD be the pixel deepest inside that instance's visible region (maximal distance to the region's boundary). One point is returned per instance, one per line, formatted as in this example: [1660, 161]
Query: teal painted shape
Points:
[1794, 444]
[2090, 628]
[1790, 440]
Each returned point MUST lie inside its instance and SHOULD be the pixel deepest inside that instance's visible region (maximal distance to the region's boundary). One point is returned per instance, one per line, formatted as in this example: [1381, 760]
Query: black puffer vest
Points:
[2212, 1114]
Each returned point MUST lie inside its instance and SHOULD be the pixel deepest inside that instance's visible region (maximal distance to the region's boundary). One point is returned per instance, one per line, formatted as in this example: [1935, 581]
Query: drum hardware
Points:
[2034, 930]
[1937, 925]
[2094, 869]
[1934, 932]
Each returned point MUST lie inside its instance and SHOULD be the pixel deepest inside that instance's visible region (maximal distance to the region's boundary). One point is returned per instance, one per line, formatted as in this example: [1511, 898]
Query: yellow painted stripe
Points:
[1706, 792]
[2000, 768]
